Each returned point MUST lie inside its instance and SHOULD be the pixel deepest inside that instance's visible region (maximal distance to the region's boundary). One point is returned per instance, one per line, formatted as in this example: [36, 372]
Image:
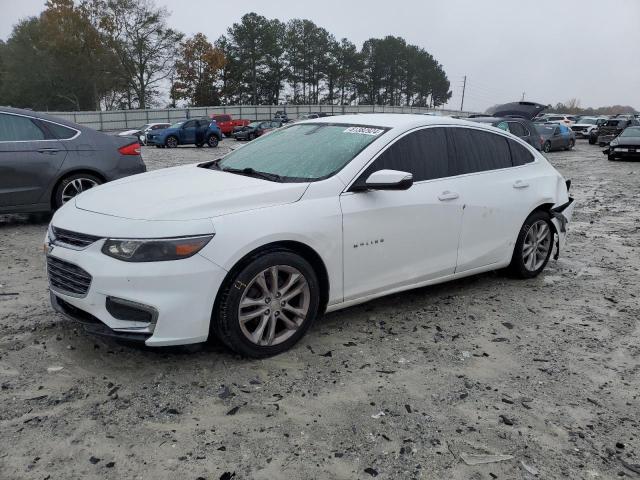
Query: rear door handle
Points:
[520, 184]
[49, 151]
[447, 195]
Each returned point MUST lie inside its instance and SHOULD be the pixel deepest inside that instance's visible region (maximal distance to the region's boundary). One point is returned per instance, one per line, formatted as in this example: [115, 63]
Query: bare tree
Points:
[146, 48]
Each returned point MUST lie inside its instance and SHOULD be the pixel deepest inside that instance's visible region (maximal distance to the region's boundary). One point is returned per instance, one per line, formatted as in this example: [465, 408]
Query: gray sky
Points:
[553, 50]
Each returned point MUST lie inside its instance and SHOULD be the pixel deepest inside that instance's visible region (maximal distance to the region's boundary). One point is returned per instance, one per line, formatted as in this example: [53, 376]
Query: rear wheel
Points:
[73, 185]
[212, 141]
[592, 141]
[546, 148]
[572, 144]
[251, 136]
[171, 142]
[533, 246]
[268, 305]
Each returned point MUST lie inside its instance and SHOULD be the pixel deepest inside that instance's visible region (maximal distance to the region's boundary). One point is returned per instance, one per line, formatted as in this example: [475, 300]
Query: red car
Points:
[227, 124]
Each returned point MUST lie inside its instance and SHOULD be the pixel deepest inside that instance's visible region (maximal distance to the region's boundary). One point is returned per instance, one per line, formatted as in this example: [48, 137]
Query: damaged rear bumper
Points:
[561, 216]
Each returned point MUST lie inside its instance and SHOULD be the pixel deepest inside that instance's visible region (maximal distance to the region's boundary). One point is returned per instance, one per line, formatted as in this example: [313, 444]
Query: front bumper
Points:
[606, 139]
[631, 153]
[181, 294]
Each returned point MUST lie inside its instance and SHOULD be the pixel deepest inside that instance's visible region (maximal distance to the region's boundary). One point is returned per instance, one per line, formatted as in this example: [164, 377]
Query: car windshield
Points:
[254, 124]
[544, 129]
[588, 121]
[177, 124]
[303, 152]
[613, 123]
[631, 132]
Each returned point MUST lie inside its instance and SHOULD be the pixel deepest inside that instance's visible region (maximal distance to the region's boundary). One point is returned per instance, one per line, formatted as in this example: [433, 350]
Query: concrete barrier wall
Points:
[123, 119]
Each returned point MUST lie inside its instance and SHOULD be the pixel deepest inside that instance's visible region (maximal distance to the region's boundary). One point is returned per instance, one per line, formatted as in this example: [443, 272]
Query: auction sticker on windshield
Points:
[364, 131]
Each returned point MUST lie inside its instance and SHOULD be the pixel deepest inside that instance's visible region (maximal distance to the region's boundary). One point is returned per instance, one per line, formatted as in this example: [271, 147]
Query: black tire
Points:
[517, 267]
[171, 141]
[546, 148]
[251, 136]
[225, 319]
[602, 144]
[84, 178]
[572, 144]
[212, 141]
[611, 158]
[592, 141]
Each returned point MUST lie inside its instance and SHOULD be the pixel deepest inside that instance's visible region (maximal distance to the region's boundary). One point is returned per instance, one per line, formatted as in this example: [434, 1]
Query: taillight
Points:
[131, 149]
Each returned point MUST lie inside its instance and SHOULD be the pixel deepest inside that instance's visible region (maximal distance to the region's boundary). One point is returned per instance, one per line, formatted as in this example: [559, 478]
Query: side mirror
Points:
[388, 180]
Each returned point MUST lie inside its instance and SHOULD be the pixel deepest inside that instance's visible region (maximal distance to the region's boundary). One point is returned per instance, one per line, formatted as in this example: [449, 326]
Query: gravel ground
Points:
[545, 371]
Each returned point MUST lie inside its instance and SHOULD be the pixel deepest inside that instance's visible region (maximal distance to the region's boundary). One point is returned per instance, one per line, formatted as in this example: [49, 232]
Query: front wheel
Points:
[268, 305]
[533, 246]
[572, 144]
[171, 142]
[251, 136]
[546, 148]
[592, 141]
[212, 141]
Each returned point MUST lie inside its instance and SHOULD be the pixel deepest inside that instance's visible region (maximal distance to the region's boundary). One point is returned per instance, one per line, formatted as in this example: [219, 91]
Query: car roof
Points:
[43, 116]
[391, 120]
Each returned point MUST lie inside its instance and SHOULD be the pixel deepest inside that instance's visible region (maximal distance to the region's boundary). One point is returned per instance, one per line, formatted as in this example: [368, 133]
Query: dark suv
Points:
[46, 161]
[611, 129]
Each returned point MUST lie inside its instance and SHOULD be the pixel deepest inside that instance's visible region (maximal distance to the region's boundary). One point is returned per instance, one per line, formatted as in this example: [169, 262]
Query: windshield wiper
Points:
[250, 172]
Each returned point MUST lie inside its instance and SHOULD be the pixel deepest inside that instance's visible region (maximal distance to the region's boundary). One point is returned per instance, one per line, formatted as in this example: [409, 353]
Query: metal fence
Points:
[123, 119]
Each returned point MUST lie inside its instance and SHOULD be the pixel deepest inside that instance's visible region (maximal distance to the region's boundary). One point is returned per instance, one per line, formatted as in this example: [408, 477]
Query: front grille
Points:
[75, 239]
[578, 129]
[67, 277]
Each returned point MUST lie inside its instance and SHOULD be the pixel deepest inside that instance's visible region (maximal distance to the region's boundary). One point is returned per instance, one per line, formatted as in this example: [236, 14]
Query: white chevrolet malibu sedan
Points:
[314, 217]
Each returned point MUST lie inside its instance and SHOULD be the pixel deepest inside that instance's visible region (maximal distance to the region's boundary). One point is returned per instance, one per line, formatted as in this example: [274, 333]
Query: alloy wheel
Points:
[75, 187]
[274, 305]
[536, 246]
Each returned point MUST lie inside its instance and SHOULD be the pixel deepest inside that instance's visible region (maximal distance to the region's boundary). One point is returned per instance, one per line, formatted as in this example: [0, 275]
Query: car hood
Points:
[626, 141]
[520, 109]
[129, 132]
[186, 193]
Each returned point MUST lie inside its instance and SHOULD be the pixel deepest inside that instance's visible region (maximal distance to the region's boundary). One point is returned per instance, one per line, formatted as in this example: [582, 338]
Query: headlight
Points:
[155, 250]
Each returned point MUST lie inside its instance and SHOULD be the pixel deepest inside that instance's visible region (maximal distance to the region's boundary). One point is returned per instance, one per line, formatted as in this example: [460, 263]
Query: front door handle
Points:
[520, 184]
[447, 195]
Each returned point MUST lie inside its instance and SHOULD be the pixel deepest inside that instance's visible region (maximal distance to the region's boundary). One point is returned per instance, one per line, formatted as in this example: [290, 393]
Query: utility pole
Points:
[522, 99]
[464, 87]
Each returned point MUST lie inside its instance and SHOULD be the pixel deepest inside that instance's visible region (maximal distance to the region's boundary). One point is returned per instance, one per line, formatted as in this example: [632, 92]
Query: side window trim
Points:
[386, 147]
[40, 122]
[450, 149]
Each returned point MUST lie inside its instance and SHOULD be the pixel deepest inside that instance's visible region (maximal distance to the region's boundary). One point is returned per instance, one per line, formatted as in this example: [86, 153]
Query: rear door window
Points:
[423, 153]
[60, 131]
[478, 151]
[14, 128]
[519, 154]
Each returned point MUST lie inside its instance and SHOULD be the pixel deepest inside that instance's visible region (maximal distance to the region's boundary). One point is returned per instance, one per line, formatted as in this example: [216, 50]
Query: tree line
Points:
[572, 106]
[121, 54]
